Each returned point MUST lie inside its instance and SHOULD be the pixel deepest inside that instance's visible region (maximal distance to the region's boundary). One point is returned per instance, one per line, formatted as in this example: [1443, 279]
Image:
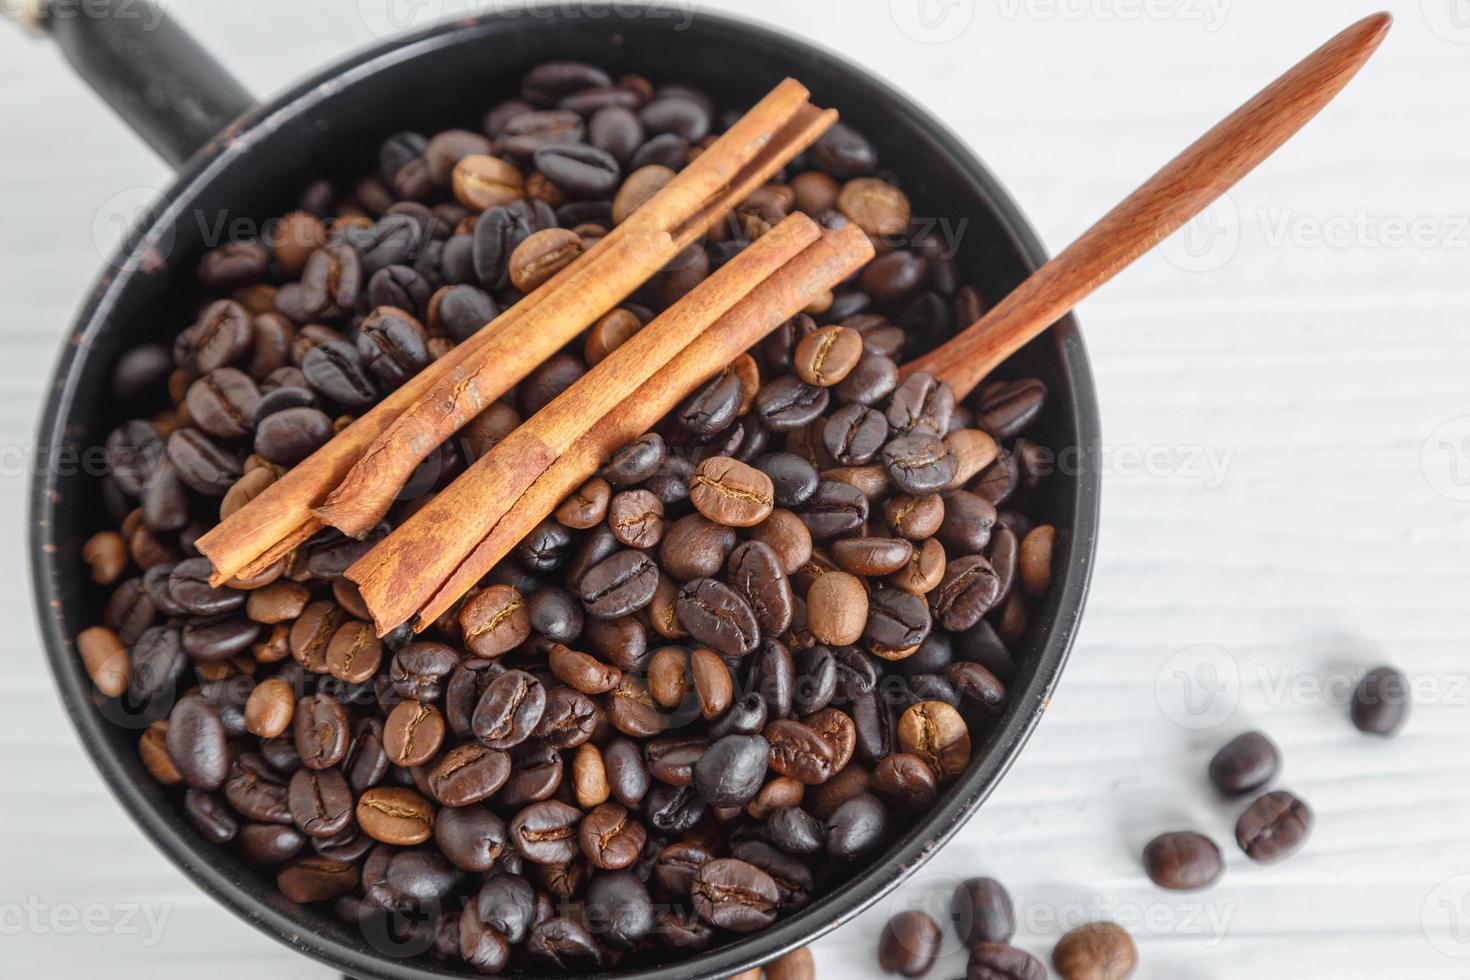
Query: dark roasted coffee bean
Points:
[835, 509]
[1008, 409]
[579, 170]
[731, 771]
[546, 832]
[320, 802]
[635, 462]
[718, 617]
[210, 816]
[494, 621]
[621, 903]
[844, 153]
[796, 832]
[536, 772]
[545, 549]
[970, 589]
[636, 518]
[218, 638]
[1183, 861]
[1244, 764]
[674, 809]
[897, 622]
[1381, 702]
[695, 547]
[909, 944]
[789, 403]
[872, 556]
[664, 150]
[1273, 827]
[982, 912]
[221, 336]
[793, 479]
[569, 719]
[223, 403]
[610, 837]
[906, 782]
[1095, 951]
[871, 381]
[288, 436]
[921, 404]
[713, 406]
[509, 709]
[196, 743]
[747, 716]
[732, 894]
[321, 731]
[799, 752]
[815, 680]
[393, 345]
[471, 837]
[919, 463]
[1001, 961]
[857, 829]
[968, 523]
[203, 466]
[616, 130]
[854, 434]
[620, 585]
[335, 370]
[977, 684]
[421, 669]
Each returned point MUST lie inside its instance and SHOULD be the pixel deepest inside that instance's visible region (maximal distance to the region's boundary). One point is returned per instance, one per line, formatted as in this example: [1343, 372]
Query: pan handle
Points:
[142, 63]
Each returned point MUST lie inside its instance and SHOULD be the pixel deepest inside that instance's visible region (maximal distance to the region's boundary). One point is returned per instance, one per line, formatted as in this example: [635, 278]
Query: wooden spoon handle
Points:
[1169, 199]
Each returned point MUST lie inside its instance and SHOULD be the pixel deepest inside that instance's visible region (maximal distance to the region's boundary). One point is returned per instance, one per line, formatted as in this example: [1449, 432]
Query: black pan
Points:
[247, 161]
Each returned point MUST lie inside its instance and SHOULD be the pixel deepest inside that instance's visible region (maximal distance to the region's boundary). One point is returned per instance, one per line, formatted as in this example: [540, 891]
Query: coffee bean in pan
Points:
[788, 527]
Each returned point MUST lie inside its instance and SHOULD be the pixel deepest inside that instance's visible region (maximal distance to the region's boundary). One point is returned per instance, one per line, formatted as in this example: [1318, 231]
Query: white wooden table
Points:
[1285, 401]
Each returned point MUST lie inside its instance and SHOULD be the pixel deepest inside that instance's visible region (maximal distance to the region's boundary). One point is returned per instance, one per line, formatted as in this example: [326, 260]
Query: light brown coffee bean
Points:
[1035, 560]
[354, 653]
[589, 776]
[247, 488]
[637, 189]
[349, 597]
[878, 208]
[815, 193]
[712, 684]
[107, 553]
[788, 536]
[748, 373]
[611, 331]
[837, 608]
[924, 570]
[668, 676]
[663, 610]
[106, 659]
[275, 647]
[915, 518]
[153, 750]
[973, 451]
[1095, 951]
[413, 733]
[495, 621]
[826, 356]
[543, 255]
[582, 671]
[935, 732]
[872, 556]
[482, 182]
[269, 708]
[312, 632]
[298, 234]
[279, 602]
[395, 815]
[730, 492]
[587, 505]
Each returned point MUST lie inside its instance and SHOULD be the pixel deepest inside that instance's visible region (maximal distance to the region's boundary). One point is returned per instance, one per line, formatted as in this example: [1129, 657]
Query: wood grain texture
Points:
[1159, 207]
[1318, 366]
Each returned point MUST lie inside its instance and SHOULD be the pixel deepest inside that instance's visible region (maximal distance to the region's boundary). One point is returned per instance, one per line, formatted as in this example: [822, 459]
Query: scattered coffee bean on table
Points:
[713, 685]
[982, 912]
[909, 944]
[1001, 961]
[1274, 826]
[1183, 861]
[1095, 951]
[1244, 764]
[1380, 703]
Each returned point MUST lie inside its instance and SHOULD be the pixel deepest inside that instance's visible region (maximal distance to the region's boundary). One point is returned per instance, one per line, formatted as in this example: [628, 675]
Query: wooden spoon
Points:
[1169, 199]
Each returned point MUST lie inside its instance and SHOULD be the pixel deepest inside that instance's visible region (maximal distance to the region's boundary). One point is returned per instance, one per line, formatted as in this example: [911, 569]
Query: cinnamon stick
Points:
[369, 489]
[274, 523]
[427, 547]
[820, 267]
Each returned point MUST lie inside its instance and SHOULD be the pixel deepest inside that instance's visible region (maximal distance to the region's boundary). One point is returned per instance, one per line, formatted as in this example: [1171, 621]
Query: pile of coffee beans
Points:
[984, 918]
[716, 682]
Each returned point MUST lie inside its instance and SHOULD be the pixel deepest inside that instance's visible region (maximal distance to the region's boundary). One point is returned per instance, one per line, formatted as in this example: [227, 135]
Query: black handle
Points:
[153, 74]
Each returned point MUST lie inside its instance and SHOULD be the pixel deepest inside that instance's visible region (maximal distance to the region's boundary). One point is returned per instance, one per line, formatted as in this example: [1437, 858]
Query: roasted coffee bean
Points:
[223, 403]
[583, 672]
[321, 731]
[712, 407]
[1244, 764]
[826, 356]
[872, 556]
[635, 462]
[756, 573]
[730, 492]
[610, 838]
[906, 782]
[789, 403]
[334, 370]
[857, 828]
[800, 752]
[982, 912]
[898, 622]
[394, 815]
[320, 802]
[200, 463]
[713, 687]
[619, 585]
[536, 773]
[854, 434]
[909, 944]
[543, 255]
[870, 381]
[546, 548]
[921, 404]
[835, 509]
[732, 894]
[509, 709]
[413, 733]
[695, 547]
[969, 589]
[1007, 410]
[919, 463]
[793, 479]
[1271, 828]
[1380, 702]
[196, 741]
[837, 608]
[935, 732]
[472, 837]
[546, 832]
[730, 772]
[1035, 560]
[620, 901]
[844, 153]
[579, 170]
[421, 670]
[1001, 961]
[793, 878]
[636, 518]
[717, 616]
[787, 536]
[354, 653]
[569, 719]
[1183, 861]
[494, 621]
[1095, 951]
[795, 831]
[627, 776]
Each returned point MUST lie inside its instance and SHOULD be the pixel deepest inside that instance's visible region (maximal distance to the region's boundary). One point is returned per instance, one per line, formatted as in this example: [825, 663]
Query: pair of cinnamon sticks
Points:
[352, 481]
